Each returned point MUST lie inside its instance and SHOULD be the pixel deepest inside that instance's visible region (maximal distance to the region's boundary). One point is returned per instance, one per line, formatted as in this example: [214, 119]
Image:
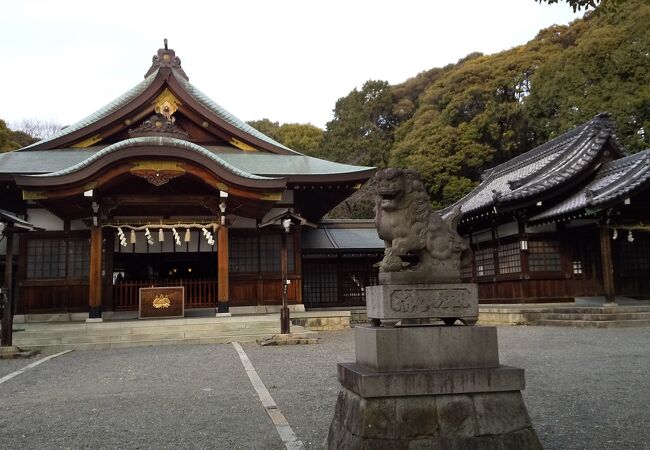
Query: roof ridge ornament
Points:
[166, 57]
[159, 125]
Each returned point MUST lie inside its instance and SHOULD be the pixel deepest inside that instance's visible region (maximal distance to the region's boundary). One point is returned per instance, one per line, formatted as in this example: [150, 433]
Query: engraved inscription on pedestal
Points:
[429, 300]
[423, 301]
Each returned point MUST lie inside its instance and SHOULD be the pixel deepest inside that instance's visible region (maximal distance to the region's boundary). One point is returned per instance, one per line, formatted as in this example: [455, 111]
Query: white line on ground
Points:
[289, 438]
[32, 365]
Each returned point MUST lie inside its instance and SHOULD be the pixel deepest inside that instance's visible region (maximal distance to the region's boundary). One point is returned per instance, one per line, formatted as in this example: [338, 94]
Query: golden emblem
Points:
[161, 301]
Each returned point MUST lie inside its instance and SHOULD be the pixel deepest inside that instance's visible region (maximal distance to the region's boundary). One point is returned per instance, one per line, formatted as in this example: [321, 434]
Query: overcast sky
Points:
[288, 61]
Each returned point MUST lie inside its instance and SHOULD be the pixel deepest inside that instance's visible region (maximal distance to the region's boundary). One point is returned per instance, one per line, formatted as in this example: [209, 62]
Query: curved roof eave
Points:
[112, 153]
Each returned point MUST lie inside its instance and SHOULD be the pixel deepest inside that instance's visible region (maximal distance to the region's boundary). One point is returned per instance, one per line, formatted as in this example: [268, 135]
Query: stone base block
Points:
[429, 347]
[391, 303]
[486, 420]
[369, 383]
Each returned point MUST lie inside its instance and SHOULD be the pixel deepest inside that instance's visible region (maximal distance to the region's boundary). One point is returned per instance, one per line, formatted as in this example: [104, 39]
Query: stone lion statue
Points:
[407, 224]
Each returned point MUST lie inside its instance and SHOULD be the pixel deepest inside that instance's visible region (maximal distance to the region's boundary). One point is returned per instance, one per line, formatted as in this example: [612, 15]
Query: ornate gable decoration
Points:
[159, 125]
[166, 58]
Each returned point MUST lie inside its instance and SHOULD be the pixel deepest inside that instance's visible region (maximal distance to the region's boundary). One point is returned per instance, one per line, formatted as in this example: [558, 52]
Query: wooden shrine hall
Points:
[567, 219]
[164, 187]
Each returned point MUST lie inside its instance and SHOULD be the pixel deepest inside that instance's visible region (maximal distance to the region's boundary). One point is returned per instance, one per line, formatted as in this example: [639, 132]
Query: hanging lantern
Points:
[630, 238]
[187, 235]
[615, 234]
[161, 235]
[132, 236]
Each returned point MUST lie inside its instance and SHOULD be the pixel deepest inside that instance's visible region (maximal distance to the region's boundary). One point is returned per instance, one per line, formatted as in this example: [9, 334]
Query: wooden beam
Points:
[8, 313]
[608, 266]
[95, 274]
[222, 270]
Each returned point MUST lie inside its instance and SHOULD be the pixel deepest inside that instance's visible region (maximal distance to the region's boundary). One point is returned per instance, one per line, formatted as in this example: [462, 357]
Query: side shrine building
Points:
[163, 187]
[567, 219]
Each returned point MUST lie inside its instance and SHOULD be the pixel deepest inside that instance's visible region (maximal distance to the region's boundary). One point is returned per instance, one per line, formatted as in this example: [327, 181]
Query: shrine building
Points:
[568, 219]
[164, 187]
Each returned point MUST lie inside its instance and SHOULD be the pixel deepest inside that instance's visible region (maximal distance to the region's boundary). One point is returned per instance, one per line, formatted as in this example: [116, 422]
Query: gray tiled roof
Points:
[105, 111]
[614, 181]
[344, 238]
[542, 168]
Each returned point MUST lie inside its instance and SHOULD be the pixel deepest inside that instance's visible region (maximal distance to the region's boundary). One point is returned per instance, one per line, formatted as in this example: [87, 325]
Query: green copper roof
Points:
[156, 141]
[258, 163]
[102, 112]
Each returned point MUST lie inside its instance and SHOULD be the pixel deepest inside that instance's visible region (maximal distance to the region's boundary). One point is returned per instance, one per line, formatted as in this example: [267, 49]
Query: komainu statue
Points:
[407, 224]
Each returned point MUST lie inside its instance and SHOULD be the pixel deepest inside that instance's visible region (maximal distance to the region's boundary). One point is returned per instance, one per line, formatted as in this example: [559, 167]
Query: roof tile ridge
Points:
[578, 159]
[637, 174]
[538, 152]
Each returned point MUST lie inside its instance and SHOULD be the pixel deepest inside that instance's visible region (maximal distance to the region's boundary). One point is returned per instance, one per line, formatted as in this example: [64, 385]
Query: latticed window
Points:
[57, 258]
[577, 267]
[466, 271]
[544, 256]
[484, 262]
[509, 258]
[78, 258]
[259, 253]
[243, 253]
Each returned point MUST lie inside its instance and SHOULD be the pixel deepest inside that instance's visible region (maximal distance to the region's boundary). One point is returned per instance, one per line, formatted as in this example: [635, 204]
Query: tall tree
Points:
[12, 140]
[607, 69]
[363, 126]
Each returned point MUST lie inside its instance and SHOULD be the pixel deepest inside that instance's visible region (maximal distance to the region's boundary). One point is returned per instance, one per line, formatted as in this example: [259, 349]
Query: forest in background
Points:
[453, 122]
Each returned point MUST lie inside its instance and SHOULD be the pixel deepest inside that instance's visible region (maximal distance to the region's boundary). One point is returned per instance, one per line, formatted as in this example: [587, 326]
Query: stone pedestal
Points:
[430, 387]
[390, 303]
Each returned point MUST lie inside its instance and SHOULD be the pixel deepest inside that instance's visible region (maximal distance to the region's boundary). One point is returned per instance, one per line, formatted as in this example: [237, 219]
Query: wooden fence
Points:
[198, 293]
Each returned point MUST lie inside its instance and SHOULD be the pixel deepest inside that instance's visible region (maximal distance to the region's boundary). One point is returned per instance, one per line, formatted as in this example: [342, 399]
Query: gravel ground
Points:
[156, 397]
[8, 366]
[586, 389]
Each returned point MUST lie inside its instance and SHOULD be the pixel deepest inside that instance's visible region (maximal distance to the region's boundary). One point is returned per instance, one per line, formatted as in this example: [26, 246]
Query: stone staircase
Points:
[567, 316]
[58, 336]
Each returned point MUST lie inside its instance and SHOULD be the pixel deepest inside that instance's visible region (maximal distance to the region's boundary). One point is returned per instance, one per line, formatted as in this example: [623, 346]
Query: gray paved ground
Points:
[587, 389]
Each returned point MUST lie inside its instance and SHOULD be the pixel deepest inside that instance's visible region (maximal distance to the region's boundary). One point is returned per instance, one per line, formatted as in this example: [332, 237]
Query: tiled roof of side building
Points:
[543, 168]
[614, 182]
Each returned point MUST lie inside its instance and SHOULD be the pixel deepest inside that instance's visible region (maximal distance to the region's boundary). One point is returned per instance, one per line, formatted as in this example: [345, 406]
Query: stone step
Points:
[82, 342]
[226, 321]
[92, 330]
[594, 317]
[595, 323]
[55, 347]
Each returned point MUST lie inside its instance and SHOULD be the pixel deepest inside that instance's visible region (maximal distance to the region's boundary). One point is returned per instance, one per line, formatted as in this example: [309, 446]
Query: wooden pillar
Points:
[8, 313]
[285, 327]
[222, 271]
[95, 275]
[608, 266]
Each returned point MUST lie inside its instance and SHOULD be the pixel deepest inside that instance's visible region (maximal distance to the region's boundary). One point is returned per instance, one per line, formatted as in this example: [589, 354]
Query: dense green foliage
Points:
[305, 138]
[454, 122]
[11, 140]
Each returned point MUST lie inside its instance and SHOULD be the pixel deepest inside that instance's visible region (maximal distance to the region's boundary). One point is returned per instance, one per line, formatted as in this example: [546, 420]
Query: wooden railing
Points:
[198, 293]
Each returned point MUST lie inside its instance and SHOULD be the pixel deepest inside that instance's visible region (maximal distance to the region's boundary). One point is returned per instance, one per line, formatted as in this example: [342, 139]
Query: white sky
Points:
[286, 60]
